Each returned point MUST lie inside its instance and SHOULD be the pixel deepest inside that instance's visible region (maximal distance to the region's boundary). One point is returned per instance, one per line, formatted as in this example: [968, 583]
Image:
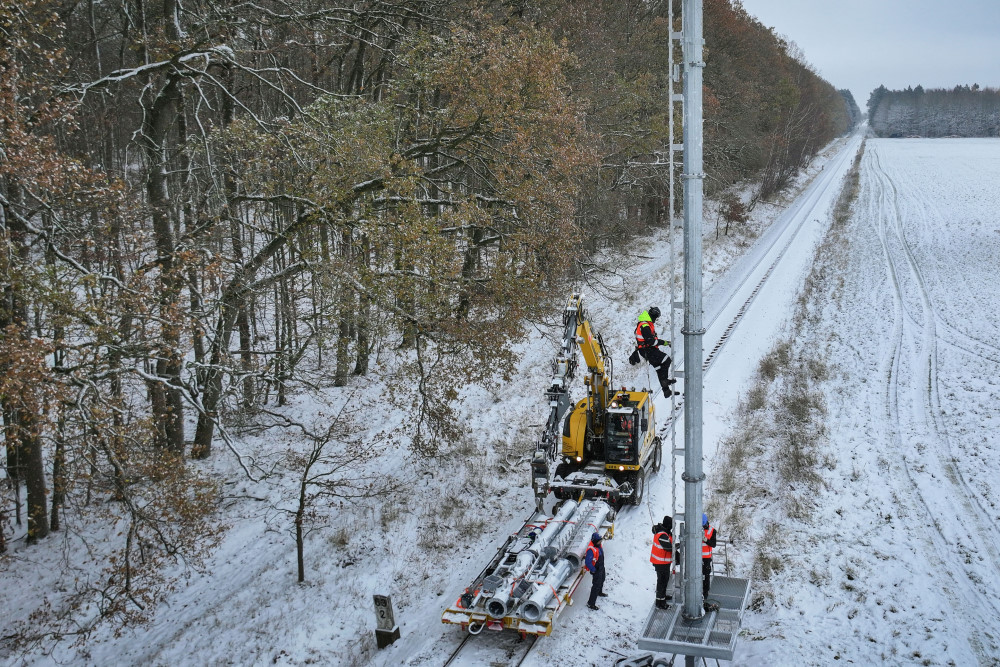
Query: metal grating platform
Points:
[711, 636]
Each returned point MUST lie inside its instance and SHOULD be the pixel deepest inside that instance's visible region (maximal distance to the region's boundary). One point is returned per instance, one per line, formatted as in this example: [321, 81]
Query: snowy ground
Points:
[899, 563]
[895, 564]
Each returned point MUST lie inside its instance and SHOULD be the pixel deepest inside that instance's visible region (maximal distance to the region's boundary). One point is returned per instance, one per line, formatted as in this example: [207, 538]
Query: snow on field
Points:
[897, 563]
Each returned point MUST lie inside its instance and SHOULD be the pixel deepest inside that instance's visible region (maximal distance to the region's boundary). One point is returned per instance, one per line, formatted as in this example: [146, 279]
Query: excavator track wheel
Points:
[639, 486]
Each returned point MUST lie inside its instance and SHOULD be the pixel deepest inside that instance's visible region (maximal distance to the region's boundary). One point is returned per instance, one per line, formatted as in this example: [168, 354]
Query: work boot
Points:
[661, 604]
[602, 595]
[593, 606]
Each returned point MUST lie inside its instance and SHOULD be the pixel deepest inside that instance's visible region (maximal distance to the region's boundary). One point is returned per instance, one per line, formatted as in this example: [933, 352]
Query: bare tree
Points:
[337, 463]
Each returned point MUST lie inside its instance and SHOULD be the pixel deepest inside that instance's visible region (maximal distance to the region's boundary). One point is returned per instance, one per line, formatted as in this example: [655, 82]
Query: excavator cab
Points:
[623, 442]
[628, 432]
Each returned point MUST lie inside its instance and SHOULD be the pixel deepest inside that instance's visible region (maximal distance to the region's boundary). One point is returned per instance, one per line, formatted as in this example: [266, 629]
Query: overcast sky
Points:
[859, 44]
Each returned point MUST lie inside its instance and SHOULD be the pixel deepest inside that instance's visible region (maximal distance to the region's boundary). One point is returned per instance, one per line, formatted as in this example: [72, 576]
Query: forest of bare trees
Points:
[964, 111]
[206, 207]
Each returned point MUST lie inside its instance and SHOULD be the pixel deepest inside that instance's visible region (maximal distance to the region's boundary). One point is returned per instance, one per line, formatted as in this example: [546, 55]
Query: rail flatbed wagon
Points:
[532, 578]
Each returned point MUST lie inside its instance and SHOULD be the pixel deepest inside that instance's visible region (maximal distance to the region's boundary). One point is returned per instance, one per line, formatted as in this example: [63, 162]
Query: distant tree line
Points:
[853, 112]
[767, 113]
[205, 206]
[963, 111]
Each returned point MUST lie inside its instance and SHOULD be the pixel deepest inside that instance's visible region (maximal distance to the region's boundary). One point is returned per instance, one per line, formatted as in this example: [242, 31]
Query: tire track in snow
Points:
[957, 511]
[931, 218]
[931, 398]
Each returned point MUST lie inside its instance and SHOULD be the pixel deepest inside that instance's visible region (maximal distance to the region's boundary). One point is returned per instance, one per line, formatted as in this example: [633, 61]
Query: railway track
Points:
[499, 648]
[784, 238]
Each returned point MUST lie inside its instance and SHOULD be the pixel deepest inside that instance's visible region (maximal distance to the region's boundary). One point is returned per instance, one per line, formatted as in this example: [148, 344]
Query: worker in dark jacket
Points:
[707, 544]
[595, 565]
[662, 558]
[648, 344]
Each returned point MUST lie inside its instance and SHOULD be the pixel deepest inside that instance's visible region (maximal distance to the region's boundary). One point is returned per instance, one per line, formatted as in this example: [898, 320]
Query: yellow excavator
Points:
[606, 445]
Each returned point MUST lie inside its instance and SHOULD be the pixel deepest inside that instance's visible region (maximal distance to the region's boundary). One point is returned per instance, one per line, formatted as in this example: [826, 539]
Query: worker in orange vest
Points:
[662, 558]
[707, 544]
[595, 565]
[647, 347]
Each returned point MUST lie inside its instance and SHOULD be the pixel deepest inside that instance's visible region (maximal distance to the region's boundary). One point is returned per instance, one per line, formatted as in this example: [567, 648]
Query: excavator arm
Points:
[576, 332]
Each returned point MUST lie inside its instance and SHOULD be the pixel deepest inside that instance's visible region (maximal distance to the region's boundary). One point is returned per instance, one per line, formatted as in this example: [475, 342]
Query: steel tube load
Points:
[558, 522]
[578, 518]
[546, 590]
[498, 606]
[597, 514]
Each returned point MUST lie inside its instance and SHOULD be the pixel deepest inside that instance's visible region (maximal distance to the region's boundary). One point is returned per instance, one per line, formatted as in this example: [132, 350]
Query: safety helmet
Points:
[654, 313]
[704, 519]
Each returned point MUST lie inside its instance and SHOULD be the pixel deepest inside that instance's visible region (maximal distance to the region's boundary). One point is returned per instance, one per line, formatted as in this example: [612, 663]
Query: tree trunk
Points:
[212, 390]
[281, 351]
[299, 537]
[23, 442]
[14, 472]
[469, 263]
[58, 476]
[59, 455]
[364, 310]
[248, 398]
[168, 407]
[188, 217]
[246, 360]
[34, 476]
[343, 339]
[346, 314]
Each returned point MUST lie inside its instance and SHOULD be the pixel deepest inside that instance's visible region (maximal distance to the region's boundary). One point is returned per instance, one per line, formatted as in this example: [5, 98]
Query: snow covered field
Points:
[900, 559]
[895, 562]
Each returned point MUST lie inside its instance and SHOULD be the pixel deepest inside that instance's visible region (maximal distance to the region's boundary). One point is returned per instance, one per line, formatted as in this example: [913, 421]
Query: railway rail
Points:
[505, 648]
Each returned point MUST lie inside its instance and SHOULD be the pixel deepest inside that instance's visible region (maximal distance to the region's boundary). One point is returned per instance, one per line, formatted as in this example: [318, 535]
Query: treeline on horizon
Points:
[963, 111]
[206, 207]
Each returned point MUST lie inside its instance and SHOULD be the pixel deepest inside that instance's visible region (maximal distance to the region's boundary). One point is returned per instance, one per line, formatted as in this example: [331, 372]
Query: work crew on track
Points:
[662, 558]
[707, 544]
[648, 348]
[595, 565]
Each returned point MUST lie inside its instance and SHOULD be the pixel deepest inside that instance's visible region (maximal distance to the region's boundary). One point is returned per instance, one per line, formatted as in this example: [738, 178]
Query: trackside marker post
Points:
[386, 630]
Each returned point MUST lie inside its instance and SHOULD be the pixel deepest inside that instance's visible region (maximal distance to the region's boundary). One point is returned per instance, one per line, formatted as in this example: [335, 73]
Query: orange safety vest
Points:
[639, 340]
[706, 551]
[661, 556]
